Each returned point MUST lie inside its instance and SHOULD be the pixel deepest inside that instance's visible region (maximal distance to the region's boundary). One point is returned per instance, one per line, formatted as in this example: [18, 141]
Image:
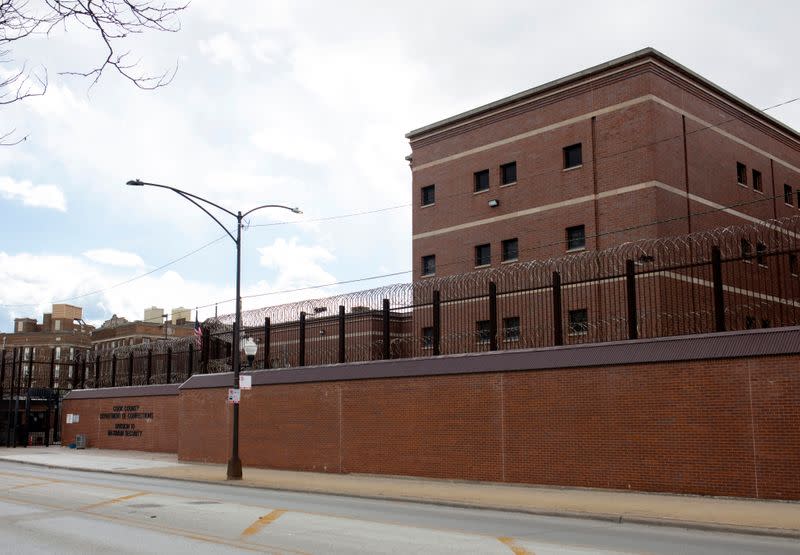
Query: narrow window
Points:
[757, 186]
[750, 323]
[511, 328]
[427, 337]
[765, 323]
[482, 181]
[572, 156]
[508, 173]
[741, 173]
[483, 255]
[793, 264]
[576, 237]
[761, 251]
[787, 195]
[510, 250]
[747, 250]
[578, 321]
[428, 195]
[482, 331]
[429, 265]
[798, 198]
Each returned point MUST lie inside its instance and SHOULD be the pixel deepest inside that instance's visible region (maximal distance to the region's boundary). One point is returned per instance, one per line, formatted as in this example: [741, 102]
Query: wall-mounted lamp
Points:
[322, 332]
[494, 203]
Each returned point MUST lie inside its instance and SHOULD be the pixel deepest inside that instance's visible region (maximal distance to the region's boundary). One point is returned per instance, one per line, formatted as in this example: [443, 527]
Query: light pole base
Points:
[234, 469]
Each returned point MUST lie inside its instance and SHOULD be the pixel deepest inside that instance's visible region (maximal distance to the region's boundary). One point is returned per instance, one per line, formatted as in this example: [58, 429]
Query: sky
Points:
[302, 104]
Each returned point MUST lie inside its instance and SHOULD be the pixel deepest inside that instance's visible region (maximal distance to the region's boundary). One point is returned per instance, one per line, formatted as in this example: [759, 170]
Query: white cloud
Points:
[114, 257]
[298, 265]
[222, 48]
[294, 142]
[44, 196]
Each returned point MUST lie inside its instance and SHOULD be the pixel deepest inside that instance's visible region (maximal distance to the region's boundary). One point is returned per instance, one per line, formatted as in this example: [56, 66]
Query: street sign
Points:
[234, 394]
[245, 382]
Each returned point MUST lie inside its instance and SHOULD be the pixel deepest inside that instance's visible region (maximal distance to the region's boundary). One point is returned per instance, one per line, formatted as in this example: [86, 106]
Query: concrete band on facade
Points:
[122, 392]
[766, 342]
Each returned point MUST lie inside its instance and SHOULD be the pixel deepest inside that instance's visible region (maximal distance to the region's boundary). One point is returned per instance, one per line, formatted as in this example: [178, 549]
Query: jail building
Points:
[636, 148]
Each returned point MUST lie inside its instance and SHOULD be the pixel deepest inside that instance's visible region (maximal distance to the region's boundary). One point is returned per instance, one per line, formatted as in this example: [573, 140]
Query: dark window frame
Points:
[505, 169]
[571, 160]
[428, 195]
[481, 258]
[746, 249]
[505, 245]
[793, 265]
[427, 337]
[741, 173]
[761, 250]
[482, 331]
[572, 242]
[511, 332]
[788, 194]
[427, 261]
[477, 177]
[758, 184]
[578, 321]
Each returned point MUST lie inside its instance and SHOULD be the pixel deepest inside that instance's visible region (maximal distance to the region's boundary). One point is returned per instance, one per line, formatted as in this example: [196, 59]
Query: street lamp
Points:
[234, 464]
[250, 349]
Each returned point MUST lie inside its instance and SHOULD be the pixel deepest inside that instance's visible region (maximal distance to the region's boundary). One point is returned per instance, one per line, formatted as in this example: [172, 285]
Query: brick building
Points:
[638, 147]
[119, 332]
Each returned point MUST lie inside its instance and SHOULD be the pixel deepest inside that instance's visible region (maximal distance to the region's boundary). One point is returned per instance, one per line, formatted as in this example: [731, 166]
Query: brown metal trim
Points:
[132, 391]
[735, 344]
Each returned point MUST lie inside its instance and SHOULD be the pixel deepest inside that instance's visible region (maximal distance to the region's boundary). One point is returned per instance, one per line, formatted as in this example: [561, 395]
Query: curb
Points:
[613, 518]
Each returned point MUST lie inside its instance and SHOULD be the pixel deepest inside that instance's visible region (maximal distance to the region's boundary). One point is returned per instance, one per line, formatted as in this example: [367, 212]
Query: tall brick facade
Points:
[659, 152]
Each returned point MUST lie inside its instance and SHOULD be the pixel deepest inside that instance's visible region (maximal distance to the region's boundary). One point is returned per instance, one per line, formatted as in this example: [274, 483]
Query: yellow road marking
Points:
[42, 483]
[262, 522]
[516, 549]
[112, 501]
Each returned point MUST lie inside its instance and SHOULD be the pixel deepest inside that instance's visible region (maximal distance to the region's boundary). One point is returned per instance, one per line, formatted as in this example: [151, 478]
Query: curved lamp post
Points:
[234, 464]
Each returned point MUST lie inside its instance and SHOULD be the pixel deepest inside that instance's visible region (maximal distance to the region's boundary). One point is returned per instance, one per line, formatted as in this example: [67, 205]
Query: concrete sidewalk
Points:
[775, 518]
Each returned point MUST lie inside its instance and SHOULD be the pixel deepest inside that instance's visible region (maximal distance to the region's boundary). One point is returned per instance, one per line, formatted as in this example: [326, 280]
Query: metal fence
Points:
[727, 279]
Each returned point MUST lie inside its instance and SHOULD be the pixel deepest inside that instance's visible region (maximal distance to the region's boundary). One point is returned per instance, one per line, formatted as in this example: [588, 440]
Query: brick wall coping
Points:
[737, 344]
[127, 391]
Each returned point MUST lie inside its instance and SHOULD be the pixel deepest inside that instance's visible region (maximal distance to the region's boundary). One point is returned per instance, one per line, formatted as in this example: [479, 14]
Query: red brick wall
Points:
[159, 433]
[631, 144]
[722, 427]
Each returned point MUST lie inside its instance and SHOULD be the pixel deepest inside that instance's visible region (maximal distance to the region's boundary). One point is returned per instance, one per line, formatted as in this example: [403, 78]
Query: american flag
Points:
[198, 332]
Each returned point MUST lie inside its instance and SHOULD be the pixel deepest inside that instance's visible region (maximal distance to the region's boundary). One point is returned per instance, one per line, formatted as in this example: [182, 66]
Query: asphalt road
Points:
[62, 511]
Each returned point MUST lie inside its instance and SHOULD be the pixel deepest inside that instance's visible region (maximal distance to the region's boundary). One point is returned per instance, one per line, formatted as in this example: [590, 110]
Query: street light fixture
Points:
[234, 464]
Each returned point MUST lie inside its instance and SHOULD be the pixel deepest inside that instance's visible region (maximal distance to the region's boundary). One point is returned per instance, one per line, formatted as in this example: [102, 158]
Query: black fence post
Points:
[719, 299]
[11, 396]
[169, 364]
[52, 367]
[437, 323]
[97, 371]
[341, 335]
[302, 346]
[492, 316]
[130, 368]
[386, 334]
[191, 359]
[31, 366]
[267, 342]
[206, 348]
[113, 369]
[630, 288]
[558, 325]
[2, 372]
[84, 363]
[149, 375]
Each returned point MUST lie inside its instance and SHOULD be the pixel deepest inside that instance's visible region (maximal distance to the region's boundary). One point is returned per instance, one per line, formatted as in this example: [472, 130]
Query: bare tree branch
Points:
[112, 20]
